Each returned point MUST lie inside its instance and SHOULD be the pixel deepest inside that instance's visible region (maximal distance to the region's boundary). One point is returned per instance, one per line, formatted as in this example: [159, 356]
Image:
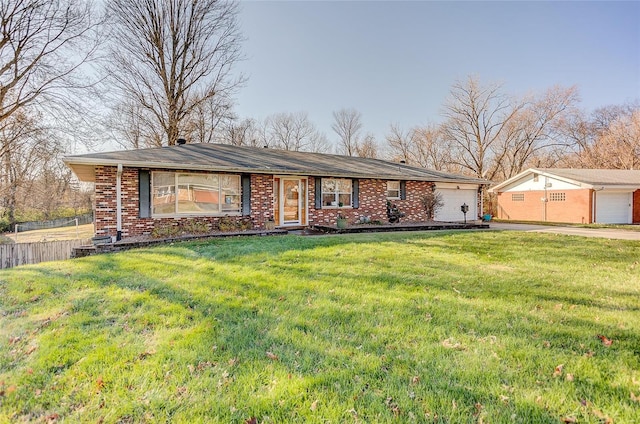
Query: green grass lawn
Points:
[407, 327]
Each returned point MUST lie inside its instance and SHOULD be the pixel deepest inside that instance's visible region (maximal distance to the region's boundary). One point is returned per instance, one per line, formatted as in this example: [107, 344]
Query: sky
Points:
[395, 62]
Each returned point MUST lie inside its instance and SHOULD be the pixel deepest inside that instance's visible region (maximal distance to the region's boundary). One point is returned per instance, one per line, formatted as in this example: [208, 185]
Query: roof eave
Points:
[84, 167]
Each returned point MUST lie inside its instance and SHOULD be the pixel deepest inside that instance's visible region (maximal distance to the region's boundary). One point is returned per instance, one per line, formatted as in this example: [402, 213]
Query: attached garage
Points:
[613, 207]
[453, 197]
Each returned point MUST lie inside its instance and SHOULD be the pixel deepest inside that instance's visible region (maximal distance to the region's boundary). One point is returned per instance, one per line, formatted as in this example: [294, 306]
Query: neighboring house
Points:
[608, 196]
[136, 190]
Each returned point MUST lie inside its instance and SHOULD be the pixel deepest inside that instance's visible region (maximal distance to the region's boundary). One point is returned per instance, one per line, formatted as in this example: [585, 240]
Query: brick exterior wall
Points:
[372, 203]
[133, 225]
[576, 208]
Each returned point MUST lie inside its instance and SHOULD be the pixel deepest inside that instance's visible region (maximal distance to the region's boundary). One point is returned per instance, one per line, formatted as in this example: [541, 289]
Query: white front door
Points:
[291, 202]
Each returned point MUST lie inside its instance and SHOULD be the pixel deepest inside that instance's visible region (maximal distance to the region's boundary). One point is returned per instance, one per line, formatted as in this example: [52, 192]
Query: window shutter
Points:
[144, 191]
[355, 195]
[246, 194]
[318, 182]
[403, 190]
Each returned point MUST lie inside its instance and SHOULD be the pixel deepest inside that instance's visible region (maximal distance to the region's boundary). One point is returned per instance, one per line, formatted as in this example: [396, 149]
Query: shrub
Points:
[165, 230]
[196, 227]
[432, 202]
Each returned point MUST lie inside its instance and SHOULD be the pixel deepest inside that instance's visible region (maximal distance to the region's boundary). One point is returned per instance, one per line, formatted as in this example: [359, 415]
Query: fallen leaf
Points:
[504, 398]
[415, 379]
[558, 370]
[30, 350]
[314, 405]
[52, 417]
[233, 361]
[251, 420]
[99, 383]
[558, 306]
[589, 354]
[272, 356]
[569, 377]
[478, 409]
[569, 420]
[605, 341]
[546, 344]
[635, 398]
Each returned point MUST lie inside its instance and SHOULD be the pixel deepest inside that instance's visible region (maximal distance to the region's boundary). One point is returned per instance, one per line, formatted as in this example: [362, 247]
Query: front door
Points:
[291, 202]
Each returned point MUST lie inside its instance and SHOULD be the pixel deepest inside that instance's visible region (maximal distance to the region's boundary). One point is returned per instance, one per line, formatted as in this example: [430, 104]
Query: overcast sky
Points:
[395, 62]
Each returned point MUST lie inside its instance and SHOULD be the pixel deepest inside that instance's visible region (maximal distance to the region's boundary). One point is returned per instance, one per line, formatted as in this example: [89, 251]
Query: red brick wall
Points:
[132, 225]
[575, 209]
[636, 207]
[372, 203]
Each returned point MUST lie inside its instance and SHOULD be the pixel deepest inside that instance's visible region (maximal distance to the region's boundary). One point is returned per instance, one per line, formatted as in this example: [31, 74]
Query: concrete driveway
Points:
[572, 231]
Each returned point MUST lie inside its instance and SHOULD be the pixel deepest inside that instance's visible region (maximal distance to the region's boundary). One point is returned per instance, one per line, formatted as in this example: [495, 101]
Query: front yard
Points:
[396, 327]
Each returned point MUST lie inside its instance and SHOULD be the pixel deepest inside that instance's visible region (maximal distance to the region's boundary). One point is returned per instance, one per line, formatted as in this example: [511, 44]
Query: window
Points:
[336, 192]
[517, 197]
[393, 189]
[557, 197]
[196, 194]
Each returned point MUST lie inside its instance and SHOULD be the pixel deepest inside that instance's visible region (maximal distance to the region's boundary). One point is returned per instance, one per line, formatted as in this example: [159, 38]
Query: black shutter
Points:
[246, 195]
[403, 190]
[318, 182]
[355, 194]
[144, 190]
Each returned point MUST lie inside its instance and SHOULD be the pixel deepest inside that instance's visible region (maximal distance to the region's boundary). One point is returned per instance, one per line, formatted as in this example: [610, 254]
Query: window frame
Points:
[336, 194]
[398, 189]
[174, 190]
[517, 197]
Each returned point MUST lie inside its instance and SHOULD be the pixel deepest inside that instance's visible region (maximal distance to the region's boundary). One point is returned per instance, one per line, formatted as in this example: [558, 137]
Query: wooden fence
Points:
[32, 253]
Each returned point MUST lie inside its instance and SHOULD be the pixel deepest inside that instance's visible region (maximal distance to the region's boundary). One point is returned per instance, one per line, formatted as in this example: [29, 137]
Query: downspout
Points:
[119, 203]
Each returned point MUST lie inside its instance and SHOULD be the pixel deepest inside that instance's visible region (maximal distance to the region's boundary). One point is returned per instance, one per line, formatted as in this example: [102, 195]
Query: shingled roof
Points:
[253, 160]
[587, 178]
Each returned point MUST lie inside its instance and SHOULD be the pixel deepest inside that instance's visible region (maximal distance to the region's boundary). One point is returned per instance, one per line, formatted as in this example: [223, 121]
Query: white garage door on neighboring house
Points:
[613, 208]
[453, 198]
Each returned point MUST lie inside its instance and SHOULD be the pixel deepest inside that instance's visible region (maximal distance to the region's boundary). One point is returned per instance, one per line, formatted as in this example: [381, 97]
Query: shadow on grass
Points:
[326, 345]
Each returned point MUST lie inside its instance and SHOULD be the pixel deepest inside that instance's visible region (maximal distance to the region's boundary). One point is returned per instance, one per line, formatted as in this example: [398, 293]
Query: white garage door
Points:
[613, 208]
[453, 199]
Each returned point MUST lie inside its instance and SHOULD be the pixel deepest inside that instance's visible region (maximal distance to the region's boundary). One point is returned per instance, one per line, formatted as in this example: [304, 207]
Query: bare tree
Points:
[347, 125]
[495, 136]
[43, 46]
[171, 57]
[421, 146]
[241, 133]
[607, 138]
[477, 120]
[368, 147]
[30, 151]
[617, 146]
[532, 134]
[293, 131]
